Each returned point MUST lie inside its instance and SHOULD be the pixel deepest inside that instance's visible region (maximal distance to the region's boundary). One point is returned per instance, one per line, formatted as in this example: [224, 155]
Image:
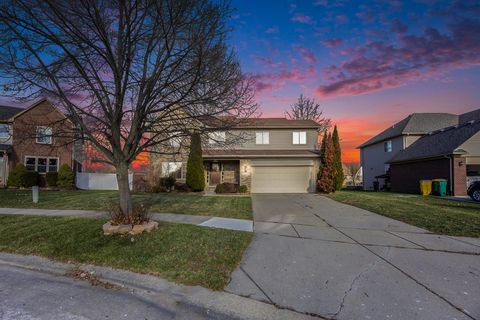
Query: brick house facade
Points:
[41, 139]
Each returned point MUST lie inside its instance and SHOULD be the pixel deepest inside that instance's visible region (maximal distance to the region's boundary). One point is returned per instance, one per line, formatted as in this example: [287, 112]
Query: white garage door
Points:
[276, 179]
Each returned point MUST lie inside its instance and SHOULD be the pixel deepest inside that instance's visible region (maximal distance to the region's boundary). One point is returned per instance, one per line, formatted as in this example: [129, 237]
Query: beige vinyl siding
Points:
[472, 145]
[279, 139]
[410, 140]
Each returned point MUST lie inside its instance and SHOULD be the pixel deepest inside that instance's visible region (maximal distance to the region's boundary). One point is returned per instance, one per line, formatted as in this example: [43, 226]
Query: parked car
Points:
[474, 191]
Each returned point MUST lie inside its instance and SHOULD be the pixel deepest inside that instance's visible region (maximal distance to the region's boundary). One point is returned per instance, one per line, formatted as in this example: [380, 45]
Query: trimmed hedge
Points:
[226, 187]
[30, 179]
[169, 182]
[21, 177]
[66, 177]
[243, 189]
[16, 179]
[51, 178]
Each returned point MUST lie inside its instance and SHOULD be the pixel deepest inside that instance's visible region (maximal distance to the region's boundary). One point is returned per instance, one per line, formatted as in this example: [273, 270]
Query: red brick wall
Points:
[405, 177]
[24, 129]
[459, 168]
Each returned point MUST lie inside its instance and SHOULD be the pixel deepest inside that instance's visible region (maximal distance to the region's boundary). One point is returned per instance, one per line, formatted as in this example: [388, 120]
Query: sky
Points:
[368, 63]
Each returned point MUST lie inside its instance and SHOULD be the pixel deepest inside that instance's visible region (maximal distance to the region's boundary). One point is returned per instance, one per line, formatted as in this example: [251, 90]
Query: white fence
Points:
[99, 181]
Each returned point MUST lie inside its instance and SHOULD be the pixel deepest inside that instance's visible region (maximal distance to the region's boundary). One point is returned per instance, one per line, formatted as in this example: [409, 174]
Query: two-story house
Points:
[36, 136]
[276, 155]
[423, 146]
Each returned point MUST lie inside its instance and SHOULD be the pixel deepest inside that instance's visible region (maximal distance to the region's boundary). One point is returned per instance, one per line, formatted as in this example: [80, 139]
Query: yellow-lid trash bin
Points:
[425, 187]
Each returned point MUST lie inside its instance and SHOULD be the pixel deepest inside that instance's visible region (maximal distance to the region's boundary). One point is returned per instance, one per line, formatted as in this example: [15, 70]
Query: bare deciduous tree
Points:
[129, 74]
[308, 109]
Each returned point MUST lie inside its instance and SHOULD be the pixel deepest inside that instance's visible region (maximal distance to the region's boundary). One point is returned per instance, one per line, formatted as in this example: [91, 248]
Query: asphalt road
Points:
[33, 295]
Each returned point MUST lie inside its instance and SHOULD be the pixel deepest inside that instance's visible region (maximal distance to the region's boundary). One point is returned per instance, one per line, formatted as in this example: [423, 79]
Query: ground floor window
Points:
[41, 164]
[175, 169]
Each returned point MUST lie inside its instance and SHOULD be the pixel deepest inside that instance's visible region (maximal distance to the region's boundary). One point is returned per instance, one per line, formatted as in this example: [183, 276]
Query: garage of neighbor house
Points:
[283, 176]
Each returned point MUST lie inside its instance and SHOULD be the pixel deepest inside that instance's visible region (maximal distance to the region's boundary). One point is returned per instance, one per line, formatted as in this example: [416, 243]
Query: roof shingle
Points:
[439, 143]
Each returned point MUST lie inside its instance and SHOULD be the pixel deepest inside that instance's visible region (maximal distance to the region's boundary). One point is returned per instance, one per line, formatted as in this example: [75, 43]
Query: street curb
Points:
[218, 305]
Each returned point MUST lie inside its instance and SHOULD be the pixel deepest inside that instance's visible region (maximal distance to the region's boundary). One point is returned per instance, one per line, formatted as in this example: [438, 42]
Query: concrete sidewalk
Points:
[317, 256]
[204, 221]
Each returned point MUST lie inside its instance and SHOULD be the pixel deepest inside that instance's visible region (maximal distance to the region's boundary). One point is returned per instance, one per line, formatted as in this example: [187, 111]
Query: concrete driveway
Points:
[317, 256]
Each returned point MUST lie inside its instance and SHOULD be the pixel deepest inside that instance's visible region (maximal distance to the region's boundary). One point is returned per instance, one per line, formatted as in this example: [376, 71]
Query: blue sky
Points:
[369, 63]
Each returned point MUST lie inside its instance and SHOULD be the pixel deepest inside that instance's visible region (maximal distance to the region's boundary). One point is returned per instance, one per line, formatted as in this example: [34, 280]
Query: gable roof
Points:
[6, 112]
[439, 143]
[416, 123]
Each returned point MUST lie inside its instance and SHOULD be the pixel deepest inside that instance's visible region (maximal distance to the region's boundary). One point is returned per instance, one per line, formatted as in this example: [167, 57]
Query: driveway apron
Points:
[317, 256]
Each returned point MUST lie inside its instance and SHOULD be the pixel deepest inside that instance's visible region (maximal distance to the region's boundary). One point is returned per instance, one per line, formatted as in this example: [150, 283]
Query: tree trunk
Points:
[124, 189]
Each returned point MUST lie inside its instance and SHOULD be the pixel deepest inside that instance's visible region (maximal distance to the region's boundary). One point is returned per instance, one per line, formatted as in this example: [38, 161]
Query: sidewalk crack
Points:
[352, 284]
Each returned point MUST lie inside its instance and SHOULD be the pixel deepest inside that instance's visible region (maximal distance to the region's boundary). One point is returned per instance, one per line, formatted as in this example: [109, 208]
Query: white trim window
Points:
[4, 131]
[175, 169]
[217, 137]
[44, 135]
[262, 137]
[387, 167]
[41, 164]
[299, 137]
[387, 145]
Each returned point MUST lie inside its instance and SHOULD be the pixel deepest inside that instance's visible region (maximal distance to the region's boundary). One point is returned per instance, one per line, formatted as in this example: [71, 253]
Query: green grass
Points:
[230, 207]
[440, 216]
[181, 253]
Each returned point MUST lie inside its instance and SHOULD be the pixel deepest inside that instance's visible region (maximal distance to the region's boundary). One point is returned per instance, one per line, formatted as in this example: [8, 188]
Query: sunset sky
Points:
[368, 63]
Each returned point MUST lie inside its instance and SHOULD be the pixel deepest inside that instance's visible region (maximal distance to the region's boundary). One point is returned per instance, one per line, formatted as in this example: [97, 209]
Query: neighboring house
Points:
[423, 146]
[31, 136]
[275, 155]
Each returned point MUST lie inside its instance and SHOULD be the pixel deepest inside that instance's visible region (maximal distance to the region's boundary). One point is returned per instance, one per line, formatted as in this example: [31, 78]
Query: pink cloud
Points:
[268, 62]
[381, 65]
[332, 42]
[307, 54]
[271, 81]
[301, 18]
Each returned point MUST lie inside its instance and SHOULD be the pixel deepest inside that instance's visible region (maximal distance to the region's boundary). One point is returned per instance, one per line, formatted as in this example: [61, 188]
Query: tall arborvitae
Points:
[325, 183]
[322, 153]
[195, 173]
[339, 177]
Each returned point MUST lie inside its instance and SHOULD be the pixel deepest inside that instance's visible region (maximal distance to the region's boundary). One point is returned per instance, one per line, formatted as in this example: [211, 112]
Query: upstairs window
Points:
[44, 135]
[388, 146]
[217, 137]
[4, 131]
[262, 137]
[299, 137]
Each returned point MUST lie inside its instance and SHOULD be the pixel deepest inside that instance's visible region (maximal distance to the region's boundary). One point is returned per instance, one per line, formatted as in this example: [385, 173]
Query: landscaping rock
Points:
[124, 228]
[150, 226]
[137, 229]
[109, 229]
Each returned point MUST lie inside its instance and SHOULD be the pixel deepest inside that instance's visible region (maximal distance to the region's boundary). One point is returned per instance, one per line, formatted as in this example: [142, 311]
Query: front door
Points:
[215, 174]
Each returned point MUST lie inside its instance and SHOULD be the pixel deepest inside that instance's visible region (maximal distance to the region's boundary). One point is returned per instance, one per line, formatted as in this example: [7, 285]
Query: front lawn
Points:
[440, 216]
[230, 207]
[182, 253]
